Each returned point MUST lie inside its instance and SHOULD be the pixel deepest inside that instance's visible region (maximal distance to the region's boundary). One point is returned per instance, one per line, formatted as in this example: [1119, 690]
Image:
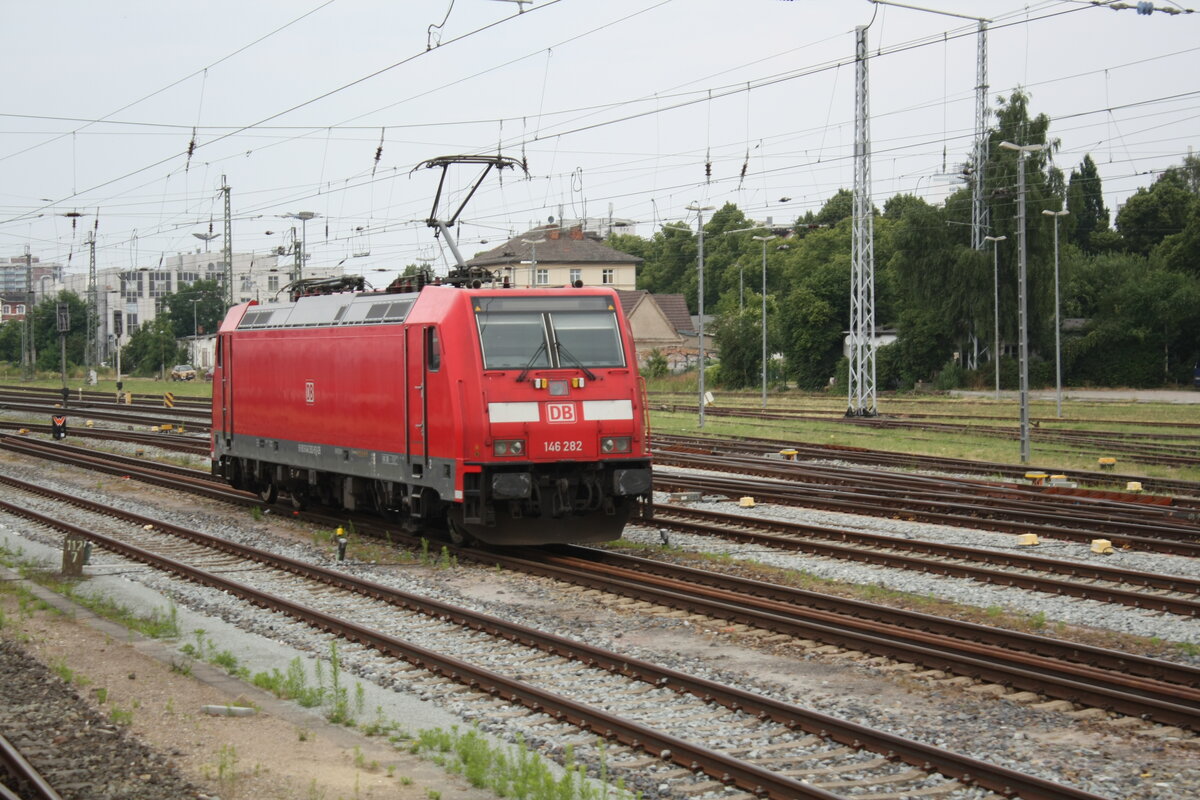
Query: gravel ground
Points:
[71, 744]
[1107, 759]
[1073, 611]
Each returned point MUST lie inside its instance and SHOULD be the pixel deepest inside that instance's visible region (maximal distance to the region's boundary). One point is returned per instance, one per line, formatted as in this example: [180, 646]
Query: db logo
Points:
[560, 412]
[310, 392]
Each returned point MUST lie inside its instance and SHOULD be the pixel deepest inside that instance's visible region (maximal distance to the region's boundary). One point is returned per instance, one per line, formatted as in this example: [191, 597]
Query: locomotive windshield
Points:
[548, 332]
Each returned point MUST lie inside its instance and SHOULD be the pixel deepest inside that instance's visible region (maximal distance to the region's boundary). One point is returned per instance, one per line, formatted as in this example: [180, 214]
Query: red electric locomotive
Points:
[508, 416]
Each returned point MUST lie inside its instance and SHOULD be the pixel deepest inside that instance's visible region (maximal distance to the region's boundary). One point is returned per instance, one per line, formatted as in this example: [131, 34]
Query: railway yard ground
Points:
[154, 689]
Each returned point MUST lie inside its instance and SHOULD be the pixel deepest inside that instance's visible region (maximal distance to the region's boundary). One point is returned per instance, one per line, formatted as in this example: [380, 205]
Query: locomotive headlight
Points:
[615, 444]
[509, 447]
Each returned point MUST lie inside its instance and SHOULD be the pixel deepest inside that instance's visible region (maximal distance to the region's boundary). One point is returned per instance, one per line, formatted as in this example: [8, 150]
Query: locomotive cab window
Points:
[433, 350]
[548, 332]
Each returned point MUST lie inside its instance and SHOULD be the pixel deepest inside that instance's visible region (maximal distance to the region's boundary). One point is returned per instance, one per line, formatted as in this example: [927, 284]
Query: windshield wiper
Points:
[563, 351]
[541, 348]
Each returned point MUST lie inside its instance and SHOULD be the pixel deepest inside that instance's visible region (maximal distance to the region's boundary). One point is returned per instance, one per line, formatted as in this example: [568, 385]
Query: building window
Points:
[188, 278]
[607, 278]
[7, 309]
[576, 275]
[20, 308]
[543, 276]
[272, 283]
[131, 285]
[160, 284]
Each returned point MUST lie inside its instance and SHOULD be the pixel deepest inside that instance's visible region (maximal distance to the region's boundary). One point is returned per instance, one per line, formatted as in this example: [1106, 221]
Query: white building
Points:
[130, 297]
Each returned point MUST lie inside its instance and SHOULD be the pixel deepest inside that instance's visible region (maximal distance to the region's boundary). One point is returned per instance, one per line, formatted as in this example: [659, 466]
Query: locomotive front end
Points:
[562, 453]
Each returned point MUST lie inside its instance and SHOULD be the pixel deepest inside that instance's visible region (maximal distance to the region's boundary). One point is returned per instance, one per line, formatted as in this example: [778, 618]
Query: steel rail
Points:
[858, 505]
[799, 536]
[1146, 698]
[879, 495]
[25, 772]
[724, 768]
[863, 455]
[1087, 655]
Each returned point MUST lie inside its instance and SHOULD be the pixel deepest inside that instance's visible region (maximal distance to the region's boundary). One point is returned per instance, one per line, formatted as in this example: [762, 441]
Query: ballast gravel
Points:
[1106, 760]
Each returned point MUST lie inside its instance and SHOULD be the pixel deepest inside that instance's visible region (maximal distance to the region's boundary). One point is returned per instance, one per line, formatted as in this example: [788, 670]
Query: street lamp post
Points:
[995, 240]
[1057, 326]
[195, 330]
[533, 243]
[764, 240]
[699, 209]
[1023, 152]
[304, 217]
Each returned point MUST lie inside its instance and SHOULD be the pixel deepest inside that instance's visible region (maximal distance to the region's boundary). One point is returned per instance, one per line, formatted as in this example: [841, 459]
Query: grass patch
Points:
[514, 771]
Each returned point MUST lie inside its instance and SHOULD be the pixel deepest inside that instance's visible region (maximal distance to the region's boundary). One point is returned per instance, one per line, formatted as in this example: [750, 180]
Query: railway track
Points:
[1172, 595]
[666, 443]
[1147, 538]
[54, 746]
[1169, 449]
[1143, 687]
[661, 717]
[21, 776]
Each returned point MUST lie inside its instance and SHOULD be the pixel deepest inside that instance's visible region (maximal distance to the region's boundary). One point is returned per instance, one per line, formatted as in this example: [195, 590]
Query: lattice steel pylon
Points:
[861, 385]
[92, 347]
[979, 209]
[227, 249]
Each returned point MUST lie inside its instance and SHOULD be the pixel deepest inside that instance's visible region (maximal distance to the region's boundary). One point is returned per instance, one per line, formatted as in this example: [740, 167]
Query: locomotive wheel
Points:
[299, 498]
[456, 530]
[268, 492]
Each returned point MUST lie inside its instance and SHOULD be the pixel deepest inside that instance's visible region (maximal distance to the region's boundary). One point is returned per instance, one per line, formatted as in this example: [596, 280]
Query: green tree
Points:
[812, 337]
[153, 348]
[46, 335]
[10, 341]
[656, 364]
[204, 315]
[1085, 201]
[670, 263]
[738, 336]
[1153, 214]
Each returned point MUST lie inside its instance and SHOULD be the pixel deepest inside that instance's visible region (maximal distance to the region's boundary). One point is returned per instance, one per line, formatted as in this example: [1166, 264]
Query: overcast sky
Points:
[616, 107]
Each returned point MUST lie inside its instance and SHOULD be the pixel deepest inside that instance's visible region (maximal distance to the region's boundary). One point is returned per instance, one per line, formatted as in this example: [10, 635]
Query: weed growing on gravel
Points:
[380, 726]
[101, 695]
[206, 650]
[513, 771]
[337, 696]
[69, 676]
[290, 685]
[120, 716]
[158, 624]
[227, 768]
[256, 513]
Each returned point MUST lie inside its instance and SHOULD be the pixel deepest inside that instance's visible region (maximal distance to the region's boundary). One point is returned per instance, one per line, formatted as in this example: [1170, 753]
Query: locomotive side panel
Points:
[322, 386]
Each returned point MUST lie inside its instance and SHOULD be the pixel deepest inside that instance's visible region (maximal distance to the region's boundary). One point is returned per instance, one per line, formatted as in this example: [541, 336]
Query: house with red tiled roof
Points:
[550, 255]
[661, 322]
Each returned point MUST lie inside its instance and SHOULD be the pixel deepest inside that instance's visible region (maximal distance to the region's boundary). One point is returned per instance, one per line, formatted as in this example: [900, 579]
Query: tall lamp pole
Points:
[304, 217]
[1023, 152]
[1057, 326]
[533, 243]
[764, 240]
[699, 209]
[995, 240]
[195, 329]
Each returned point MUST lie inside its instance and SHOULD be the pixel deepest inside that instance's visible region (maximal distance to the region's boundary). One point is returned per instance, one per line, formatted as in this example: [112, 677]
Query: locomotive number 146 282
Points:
[564, 446]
